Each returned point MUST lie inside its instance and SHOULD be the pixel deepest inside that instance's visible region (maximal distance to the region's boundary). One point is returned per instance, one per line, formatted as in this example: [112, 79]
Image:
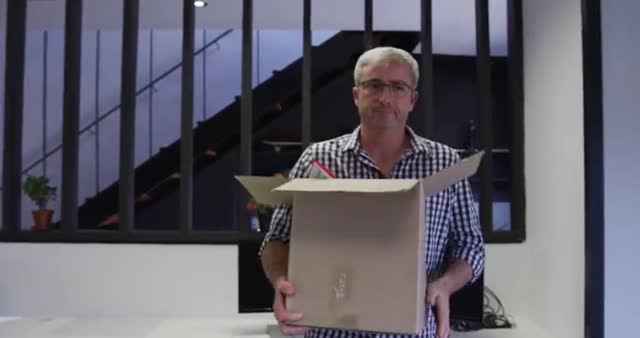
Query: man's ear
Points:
[354, 93]
[414, 97]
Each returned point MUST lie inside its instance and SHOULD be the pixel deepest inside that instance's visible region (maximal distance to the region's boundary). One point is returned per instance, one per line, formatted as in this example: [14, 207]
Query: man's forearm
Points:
[457, 275]
[275, 260]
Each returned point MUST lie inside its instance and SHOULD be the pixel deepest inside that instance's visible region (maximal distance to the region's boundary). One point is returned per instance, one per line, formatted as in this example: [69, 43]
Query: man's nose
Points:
[385, 95]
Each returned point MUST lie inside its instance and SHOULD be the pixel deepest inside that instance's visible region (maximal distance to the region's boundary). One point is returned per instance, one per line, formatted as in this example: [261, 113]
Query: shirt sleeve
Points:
[280, 227]
[466, 233]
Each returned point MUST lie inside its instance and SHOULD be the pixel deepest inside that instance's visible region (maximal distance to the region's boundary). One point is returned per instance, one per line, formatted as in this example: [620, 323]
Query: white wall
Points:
[621, 80]
[113, 280]
[555, 162]
[543, 279]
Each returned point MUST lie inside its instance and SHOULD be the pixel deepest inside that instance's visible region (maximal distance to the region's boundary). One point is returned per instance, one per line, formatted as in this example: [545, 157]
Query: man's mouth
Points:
[383, 111]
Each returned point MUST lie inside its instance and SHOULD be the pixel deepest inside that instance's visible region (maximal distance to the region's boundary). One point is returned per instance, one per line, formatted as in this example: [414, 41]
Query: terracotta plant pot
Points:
[42, 219]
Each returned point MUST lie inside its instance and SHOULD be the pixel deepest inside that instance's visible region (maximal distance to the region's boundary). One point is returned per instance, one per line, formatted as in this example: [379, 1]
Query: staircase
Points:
[274, 102]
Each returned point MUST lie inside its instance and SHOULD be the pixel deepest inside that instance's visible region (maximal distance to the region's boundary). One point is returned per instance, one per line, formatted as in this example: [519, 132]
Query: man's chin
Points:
[383, 125]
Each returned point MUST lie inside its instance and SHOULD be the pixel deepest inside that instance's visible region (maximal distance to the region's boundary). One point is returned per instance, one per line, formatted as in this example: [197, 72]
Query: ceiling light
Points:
[199, 3]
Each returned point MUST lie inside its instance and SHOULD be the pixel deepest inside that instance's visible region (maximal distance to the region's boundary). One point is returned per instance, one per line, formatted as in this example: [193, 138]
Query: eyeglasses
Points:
[376, 87]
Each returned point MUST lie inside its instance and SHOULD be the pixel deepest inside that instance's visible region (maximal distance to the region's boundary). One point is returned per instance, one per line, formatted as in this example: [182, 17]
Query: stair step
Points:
[111, 220]
[143, 198]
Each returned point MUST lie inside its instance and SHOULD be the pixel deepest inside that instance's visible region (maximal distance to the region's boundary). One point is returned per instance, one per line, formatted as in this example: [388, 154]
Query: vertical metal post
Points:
[128, 114]
[594, 314]
[426, 68]
[13, 115]
[45, 50]
[151, 89]
[368, 24]
[516, 102]
[186, 138]
[246, 120]
[306, 74]
[71, 119]
[97, 111]
[483, 68]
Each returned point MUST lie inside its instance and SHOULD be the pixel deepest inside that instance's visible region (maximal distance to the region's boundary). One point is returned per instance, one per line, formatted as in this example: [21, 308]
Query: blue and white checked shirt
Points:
[452, 219]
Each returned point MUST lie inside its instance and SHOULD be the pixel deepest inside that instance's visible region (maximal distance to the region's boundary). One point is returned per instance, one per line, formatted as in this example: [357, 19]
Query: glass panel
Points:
[224, 64]
[218, 81]
[87, 178]
[144, 108]
[158, 205]
[34, 121]
[218, 198]
[277, 49]
[277, 146]
[456, 94]
[200, 82]
[503, 117]
[100, 145]
[103, 217]
[318, 37]
[498, 27]
[32, 135]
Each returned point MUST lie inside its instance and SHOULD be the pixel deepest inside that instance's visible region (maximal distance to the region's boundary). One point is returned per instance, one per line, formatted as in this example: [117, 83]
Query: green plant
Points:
[39, 190]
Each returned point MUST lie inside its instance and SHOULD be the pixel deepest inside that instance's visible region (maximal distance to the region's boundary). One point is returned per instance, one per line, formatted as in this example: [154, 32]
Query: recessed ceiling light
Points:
[199, 3]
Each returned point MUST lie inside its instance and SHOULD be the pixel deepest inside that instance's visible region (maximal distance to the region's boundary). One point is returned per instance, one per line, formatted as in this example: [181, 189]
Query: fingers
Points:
[431, 297]
[288, 317]
[285, 318]
[285, 287]
[281, 313]
[442, 317]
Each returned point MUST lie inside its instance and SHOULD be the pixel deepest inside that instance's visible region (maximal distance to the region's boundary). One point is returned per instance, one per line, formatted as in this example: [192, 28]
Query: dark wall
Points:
[456, 103]
[219, 200]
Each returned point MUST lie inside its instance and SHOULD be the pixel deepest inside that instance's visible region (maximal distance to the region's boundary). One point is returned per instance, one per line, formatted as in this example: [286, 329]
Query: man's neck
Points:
[384, 144]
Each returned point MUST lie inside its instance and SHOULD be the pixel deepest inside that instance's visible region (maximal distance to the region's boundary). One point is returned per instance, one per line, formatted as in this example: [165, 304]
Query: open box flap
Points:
[452, 175]
[261, 188]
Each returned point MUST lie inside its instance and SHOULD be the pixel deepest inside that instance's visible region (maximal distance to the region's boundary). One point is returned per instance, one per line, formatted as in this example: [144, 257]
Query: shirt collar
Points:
[418, 144]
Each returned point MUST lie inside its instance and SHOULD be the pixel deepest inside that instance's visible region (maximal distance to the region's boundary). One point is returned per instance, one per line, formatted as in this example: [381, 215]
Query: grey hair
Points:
[380, 55]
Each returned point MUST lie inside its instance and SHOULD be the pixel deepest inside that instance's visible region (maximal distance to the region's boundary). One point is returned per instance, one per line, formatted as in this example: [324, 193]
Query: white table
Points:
[243, 325]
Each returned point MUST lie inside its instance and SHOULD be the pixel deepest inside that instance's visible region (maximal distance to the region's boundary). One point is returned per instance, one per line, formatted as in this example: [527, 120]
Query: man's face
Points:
[385, 96]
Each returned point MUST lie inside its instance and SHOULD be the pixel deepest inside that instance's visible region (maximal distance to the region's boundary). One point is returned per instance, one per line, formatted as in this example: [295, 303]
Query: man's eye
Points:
[397, 88]
[376, 86]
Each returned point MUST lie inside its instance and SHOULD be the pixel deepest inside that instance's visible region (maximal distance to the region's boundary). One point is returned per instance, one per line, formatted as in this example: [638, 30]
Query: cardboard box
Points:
[357, 247]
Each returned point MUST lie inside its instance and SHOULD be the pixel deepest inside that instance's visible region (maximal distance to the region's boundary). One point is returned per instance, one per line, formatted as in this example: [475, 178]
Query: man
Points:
[383, 146]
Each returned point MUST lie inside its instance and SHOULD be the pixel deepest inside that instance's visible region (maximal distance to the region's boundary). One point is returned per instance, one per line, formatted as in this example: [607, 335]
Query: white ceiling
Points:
[453, 20]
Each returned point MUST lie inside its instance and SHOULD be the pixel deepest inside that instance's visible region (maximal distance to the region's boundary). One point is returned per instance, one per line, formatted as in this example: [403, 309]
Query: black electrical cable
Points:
[494, 318]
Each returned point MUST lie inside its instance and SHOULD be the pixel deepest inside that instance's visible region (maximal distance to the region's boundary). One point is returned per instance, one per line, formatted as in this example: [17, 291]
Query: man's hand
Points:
[285, 318]
[438, 294]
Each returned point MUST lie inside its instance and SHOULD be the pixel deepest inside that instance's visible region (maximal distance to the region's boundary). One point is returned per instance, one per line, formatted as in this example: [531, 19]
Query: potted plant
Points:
[40, 192]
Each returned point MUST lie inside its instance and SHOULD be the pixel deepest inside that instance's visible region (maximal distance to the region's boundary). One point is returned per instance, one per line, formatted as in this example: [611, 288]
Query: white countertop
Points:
[260, 325]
